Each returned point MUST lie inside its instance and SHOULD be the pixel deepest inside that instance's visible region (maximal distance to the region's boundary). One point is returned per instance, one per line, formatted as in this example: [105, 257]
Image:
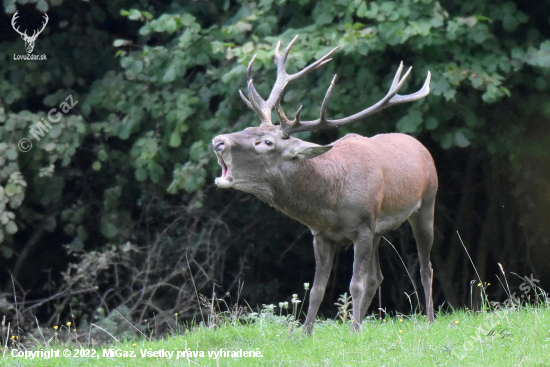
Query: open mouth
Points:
[225, 180]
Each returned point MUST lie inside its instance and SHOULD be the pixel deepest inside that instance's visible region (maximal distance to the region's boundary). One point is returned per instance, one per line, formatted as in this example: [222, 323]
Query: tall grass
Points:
[507, 337]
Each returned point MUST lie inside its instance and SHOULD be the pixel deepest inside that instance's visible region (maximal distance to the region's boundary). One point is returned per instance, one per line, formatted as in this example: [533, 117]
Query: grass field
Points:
[507, 337]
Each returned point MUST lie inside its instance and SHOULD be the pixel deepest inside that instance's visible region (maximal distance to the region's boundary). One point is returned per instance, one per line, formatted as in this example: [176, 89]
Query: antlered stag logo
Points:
[29, 40]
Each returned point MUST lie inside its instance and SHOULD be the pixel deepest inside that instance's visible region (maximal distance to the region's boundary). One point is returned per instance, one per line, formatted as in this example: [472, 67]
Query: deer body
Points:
[356, 178]
[353, 190]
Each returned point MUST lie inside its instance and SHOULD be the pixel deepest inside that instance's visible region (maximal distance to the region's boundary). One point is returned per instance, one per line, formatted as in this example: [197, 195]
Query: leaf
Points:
[11, 189]
[9, 8]
[121, 42]
[461, 140]
[82, 233]
[107, 228]
[140, 174]
[50, 223]
[42, 6]
[136, 67]
[11, 227]
[447, 141]
[387, 6]
[77, 243]
[16, 200]
[431, 123]
[243, 26]
[362, 10]
[6, 251]
[102, 155]
[247, 48]
[134, 15]
[324, 18]
[155, 172]
[169, 75]
[510, 23]
[11, 154]
[410, 122]
[175, 139]
[50, 146]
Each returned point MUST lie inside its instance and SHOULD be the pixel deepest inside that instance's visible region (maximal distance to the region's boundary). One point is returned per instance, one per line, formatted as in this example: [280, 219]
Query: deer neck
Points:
[307, 190]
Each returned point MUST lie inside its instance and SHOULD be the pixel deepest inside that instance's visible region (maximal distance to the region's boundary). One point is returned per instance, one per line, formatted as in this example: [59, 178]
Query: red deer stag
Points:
[353, 190]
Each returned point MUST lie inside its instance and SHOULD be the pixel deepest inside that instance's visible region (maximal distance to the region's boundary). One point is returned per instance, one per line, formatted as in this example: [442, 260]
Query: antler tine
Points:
[248, 78]
[390, 99]
[316, 65]
[246, 101]
[323, 114]
[414, 96]
[285, 123]
[44, 24]
[283, 78]
[258, 104]
[391, 93]
[249, 67]
[255, 102]
[397, 76]
[281, 59]
[15, 16]
[263, 107]
[251, 89]
[252, 92]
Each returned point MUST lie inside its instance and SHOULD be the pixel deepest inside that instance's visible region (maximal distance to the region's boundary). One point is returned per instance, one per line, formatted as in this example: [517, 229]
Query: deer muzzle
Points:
[221, 146]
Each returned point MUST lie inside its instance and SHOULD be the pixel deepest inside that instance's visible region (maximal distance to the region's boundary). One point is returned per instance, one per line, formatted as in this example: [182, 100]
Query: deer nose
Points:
[219, 144]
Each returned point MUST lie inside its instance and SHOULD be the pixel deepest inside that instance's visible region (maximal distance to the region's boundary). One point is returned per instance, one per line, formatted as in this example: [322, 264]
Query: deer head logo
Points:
[29, 40]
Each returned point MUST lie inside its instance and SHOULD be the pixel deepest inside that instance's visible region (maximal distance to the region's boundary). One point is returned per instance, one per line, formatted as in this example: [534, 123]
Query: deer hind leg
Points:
[373, 280]
[324, 255]
[422, 226]
[363, 253]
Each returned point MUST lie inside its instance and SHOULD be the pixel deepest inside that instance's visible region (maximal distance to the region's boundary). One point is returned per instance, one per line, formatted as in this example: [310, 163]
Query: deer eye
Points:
[268, 143]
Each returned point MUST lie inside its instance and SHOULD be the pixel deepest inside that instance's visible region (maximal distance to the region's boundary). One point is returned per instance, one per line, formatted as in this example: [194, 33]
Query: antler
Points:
[24, 34]
[43, 26]
[15, 16]
[392, 98]
[262, 107]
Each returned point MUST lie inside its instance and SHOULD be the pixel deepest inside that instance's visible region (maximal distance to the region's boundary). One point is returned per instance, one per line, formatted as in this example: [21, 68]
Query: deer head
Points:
[29, 40]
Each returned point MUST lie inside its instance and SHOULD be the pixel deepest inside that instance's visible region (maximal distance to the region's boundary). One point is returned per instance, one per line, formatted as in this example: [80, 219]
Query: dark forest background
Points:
[114, 209]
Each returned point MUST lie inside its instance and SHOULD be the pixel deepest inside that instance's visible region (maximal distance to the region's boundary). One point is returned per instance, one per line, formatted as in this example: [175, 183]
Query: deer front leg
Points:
[363, 252]
[324, 254]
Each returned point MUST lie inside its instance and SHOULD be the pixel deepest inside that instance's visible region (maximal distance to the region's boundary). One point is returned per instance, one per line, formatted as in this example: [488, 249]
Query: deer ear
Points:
[305, 150]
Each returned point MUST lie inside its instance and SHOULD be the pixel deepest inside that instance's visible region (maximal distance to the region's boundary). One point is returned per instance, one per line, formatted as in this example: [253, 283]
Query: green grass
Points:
[462, 338]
